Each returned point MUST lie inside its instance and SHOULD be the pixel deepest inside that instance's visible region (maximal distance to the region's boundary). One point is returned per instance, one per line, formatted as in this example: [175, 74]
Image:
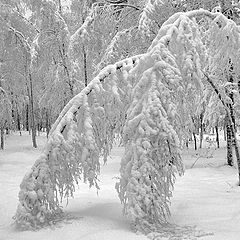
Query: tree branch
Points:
[103, 74]
[215, 90]
[17, 11]
[125, 5]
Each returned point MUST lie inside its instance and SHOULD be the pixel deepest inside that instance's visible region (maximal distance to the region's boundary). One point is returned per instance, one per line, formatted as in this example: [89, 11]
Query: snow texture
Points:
[206, 196]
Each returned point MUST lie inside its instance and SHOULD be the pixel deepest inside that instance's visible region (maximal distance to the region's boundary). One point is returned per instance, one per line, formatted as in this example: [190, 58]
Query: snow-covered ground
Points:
[206, 196]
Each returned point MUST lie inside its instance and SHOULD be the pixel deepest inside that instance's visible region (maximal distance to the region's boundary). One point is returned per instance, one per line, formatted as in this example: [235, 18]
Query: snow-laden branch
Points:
[81, 31]
[103, 74]
[109, 52]
[12, 10]
[124, 5]
[18, 34]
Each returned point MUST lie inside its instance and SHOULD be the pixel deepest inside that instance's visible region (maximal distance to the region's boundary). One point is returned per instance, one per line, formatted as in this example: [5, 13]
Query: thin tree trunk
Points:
[18, 122]
[85, 66]
[60, 6]
[27, 118]
[237, 152]
[229, 142]
[217, 136]
[201, 130]
[195, 141]
[239, 87]
[33, 124]
[38, 128]
[236, 147]
[231, 126]
[224, 131]
[47, 123]
[231, 119]
[2, 138]
[2, 130]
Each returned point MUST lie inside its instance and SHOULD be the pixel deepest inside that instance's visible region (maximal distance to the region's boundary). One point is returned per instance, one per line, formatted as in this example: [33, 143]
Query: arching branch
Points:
[72, 152]
[103, 74]
[124, 5]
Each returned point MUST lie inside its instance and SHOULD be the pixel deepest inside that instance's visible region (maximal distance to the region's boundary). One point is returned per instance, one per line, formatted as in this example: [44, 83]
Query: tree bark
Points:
[2, 138]
[27, 118]
[85, 66]
[217, 136]
[33, 124]
[229, 142]
[230, 128]
[195, 141]
[224, 131]
[18, 122]
[201, 130]
[237, 152]
[239, 87]
[47, 123]
[236, 147]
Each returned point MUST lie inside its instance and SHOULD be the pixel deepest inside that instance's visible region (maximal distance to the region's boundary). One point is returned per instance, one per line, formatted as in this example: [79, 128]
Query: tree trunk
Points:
[231, 126]
[229, 142]
[18, 122]
[2, 138]
[237, 152]
[236, 147]
[201, 130]
[33, 124]
[195, 141]
[238, 158]
[239, 86]
[224, 131]
[27, 118]
[231, 119]
[47, 123]
[217, 136]
[85, 66]
[38, 128]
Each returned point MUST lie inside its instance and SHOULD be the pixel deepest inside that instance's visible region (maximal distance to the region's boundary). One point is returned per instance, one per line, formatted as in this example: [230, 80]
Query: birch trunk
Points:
[33, 124]
[2, 138]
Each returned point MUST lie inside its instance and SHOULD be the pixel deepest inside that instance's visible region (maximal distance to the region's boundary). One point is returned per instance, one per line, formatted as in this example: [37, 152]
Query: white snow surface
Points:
[207, 196]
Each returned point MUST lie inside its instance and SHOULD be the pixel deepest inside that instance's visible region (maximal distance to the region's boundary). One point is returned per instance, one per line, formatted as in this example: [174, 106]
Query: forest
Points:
[157, 80]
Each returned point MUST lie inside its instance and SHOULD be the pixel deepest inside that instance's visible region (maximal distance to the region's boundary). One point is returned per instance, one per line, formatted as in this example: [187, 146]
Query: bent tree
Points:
[140, 99]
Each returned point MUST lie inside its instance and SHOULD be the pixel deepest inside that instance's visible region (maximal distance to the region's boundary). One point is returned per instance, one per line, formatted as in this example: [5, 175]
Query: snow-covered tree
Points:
[5, 113]
[138, 98]
[19, 36]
